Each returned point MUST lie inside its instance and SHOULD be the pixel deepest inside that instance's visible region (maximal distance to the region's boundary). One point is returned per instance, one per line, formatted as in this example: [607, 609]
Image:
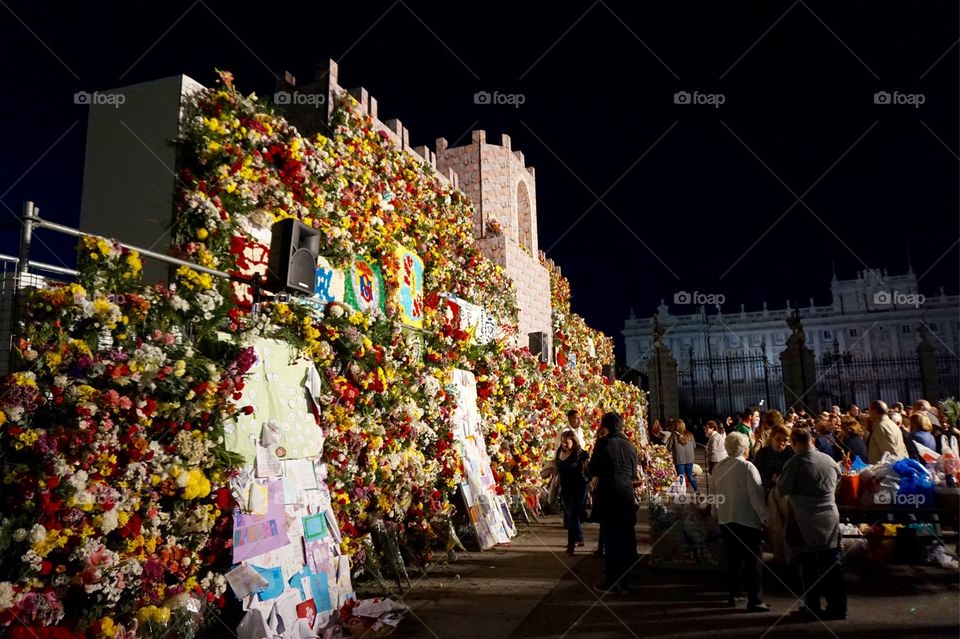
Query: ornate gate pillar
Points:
[799, 368]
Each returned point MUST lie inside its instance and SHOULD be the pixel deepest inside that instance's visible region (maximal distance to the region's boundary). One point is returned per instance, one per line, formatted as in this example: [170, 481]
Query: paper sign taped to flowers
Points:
[409, 287]
[365, 289]
[479, 487]
[251, 258]
[276, 391]
[473, 320]
[330, 283]
[256, 534]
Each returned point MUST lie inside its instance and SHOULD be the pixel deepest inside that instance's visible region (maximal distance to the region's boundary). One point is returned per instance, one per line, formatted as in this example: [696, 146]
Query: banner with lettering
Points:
[409, 287]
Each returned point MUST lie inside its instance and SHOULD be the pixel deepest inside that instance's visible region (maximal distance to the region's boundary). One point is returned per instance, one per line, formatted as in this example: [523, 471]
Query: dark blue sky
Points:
[693, 197]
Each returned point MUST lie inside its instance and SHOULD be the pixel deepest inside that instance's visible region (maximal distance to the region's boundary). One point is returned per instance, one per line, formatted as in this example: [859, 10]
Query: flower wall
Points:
[115, 496]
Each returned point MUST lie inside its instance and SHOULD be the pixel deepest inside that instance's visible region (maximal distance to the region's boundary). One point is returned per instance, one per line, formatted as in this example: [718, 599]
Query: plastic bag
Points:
[679, 486]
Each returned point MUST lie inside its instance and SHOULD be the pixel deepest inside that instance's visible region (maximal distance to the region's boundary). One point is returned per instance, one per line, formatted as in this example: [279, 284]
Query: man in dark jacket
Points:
[614, 463]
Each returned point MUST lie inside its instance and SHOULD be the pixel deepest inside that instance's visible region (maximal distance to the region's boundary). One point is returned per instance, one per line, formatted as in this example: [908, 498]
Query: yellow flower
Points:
[202, 234]
[108, 629]
[133, 262]
[159, 615]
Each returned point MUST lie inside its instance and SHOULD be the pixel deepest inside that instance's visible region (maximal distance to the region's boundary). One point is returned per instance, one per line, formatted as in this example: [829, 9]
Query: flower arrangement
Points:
[113, 467]
[660, 472]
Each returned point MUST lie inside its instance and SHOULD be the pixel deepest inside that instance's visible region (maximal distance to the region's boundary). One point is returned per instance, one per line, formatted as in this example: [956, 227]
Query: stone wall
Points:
[531, 280]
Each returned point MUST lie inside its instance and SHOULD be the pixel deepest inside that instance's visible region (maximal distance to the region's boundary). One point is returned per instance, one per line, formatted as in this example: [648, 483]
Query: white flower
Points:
[179, 304]
[6, 595]
[37, 534]
[109, 521]
[19, 534]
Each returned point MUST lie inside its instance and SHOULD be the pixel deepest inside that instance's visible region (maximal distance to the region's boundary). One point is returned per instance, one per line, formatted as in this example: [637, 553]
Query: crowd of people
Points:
[778, 475]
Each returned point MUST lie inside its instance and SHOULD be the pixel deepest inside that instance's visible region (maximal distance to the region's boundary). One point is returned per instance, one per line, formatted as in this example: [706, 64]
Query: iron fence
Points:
[714, 387]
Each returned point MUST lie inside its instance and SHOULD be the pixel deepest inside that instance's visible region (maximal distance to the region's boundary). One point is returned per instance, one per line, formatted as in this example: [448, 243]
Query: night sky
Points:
[692, 196]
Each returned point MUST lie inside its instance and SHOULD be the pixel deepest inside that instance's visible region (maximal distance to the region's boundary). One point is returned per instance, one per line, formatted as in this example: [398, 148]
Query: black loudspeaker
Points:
[540, 346]
[294, 247]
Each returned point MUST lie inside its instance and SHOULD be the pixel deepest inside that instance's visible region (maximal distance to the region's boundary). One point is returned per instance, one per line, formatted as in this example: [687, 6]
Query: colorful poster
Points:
[474, 320]
[365, 289]
[330, 283]
[479, 488]
[414, 340]
[274, 579]
[251, 258]
[314, 527]
[409, 289]
[256, 534]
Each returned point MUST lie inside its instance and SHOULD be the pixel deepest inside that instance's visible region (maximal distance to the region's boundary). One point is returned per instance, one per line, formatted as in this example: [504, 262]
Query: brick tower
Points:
[503, 190]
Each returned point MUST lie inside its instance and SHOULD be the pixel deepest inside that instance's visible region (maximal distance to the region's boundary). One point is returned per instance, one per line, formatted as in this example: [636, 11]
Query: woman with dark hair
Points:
[770, 461]
[770, 418]
[571, 462]
[656, 433]
[852, 438]
[826, 441]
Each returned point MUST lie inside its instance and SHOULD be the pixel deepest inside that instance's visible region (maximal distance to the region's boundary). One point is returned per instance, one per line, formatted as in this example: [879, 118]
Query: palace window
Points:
[934, 327]
[904, 328]
[853, 332]
[828, 335]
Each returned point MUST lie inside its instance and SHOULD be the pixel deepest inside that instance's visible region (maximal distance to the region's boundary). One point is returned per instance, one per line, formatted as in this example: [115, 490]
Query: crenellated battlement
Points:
[494, 176]
[326, 84]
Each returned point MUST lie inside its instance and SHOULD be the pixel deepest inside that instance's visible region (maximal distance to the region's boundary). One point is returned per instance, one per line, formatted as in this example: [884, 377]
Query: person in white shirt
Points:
[715, 450]
[573, 421]
[742, 512]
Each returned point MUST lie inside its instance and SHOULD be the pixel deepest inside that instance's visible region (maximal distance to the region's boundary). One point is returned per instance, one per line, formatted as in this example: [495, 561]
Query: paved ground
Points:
[531, 589]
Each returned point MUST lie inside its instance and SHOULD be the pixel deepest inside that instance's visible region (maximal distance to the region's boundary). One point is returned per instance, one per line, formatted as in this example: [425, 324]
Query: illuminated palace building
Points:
[875, 318]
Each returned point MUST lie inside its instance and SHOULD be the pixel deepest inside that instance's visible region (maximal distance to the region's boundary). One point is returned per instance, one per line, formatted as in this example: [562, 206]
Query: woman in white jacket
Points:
[715, 450]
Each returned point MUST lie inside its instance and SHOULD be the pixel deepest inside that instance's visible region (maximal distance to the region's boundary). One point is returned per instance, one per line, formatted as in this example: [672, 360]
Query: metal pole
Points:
[803, 376]
[53, 226]
[766, 373]
[659, 385]
[23, 262]
[26, 237]
[693, 379]
[729, 384]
